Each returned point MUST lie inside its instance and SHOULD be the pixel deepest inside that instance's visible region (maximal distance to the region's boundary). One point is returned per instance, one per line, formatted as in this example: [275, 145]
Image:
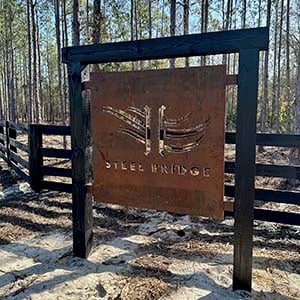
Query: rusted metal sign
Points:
[158, 139]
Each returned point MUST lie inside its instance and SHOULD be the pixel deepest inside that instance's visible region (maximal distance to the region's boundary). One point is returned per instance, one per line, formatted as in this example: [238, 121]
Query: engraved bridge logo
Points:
[173, 135]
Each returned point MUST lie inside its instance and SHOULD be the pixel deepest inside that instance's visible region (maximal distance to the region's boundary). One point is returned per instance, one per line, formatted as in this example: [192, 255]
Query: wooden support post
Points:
[10, 133]
[245, 168]
[13, 135]
[7, 143]
[2, 141]
[80, 133]
[35, 142]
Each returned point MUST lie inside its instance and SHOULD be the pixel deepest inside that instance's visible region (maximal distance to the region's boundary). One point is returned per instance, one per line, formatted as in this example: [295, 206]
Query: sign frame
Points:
[245, 42]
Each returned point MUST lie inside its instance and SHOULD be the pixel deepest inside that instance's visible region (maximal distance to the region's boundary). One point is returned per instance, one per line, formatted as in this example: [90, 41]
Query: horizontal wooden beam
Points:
[19, 145]
[20, 172]
[269, 170]
[211, 43]
[57, 186]
[269, 139]
[19, 127]
[57, 153]
[269, 195]
[19, 159]
[268, 215]
[3, 156]
[3, 148]
[53, 171]
[55, 130]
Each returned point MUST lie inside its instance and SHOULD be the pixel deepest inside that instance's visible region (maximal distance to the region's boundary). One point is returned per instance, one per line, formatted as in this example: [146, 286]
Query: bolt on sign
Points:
[158, 139]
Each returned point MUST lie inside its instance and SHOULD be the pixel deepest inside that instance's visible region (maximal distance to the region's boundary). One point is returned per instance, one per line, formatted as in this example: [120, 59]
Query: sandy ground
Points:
[137, 253]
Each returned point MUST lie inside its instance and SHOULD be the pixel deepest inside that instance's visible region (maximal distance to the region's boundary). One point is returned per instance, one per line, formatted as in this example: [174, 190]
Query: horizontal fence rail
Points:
[57, 186]
[20, 172]
[274, 216]
[19, 145]
[57, 153]
[268, 170]
[18, 127]
[56, 130]
[269, 139]
[268, 195]
[53, 171]
[19, 160]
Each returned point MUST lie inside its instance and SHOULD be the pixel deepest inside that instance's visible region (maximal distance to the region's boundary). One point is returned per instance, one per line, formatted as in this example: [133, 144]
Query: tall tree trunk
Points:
[288, 71]
[133, 26]
[97, 22]
[278, 92]
[259, 13]
[58, 45]
[29, 82]
[297, 98]
[50, 109]
[65, 44]
[172, 26]
[226, 21]
[136, 19]
[273, 115]
[162, 18]
[204, 24]
[264, 107]
[97, 27]
[186, 21]
[3, 116]
[75, 24]
[244, 16]
[6, 76]
[87, 30]
[12, 69]
[295, 152]
[132, 35]
[1, 104]
[150, 24]
[35, 62]
[39, 73]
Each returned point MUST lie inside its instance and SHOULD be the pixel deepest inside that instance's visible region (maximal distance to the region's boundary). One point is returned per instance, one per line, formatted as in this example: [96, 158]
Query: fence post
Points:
[245, 168]
[35, 143]
[82, 206]
[2, 141]
[7, 142]
[10, 133]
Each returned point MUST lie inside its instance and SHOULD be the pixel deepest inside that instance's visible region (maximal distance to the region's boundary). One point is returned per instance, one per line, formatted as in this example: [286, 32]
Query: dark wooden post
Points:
[2, 141]
[245, 168]
[13, 135]
[35, 142]
[7, 132]
[80, 128]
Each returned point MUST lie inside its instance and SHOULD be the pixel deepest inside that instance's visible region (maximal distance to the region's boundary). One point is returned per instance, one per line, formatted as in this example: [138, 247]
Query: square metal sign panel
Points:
[158, 139]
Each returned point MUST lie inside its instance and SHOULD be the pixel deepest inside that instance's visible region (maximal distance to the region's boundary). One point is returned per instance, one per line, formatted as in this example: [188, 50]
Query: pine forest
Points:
[33, 80]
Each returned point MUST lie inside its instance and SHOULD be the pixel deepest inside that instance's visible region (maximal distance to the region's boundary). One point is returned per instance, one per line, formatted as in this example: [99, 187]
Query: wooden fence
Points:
[33, 170]
[31, 146]
[269, 170]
